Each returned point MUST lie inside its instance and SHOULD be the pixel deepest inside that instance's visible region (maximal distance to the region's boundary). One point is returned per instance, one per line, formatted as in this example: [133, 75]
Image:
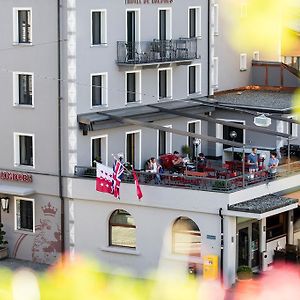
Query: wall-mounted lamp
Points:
[5, 204]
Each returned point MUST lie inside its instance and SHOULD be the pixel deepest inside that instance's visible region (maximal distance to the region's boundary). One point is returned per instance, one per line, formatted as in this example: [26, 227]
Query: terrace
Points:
[216, 179]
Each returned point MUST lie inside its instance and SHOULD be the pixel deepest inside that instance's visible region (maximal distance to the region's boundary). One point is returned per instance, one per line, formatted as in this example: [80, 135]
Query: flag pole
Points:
[122, 163]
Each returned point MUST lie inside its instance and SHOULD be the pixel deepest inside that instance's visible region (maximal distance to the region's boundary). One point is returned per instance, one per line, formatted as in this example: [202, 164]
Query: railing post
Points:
[289, 155]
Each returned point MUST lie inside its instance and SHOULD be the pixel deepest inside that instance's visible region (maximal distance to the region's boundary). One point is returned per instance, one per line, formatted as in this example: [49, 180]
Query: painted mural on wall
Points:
[45, 243]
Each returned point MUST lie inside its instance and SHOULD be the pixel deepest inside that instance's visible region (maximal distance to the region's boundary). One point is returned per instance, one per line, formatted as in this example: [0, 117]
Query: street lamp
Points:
[233, 136]
[5, 204]
[196, 143]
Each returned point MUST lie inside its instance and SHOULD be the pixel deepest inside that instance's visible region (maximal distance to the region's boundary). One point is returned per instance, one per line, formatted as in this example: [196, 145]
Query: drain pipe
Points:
[62, 200]
[208, 48]
[222, 246]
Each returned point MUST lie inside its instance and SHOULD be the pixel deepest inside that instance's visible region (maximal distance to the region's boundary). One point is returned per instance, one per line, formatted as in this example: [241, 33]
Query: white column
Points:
[229, 254]
[290, 232]
[262, 235]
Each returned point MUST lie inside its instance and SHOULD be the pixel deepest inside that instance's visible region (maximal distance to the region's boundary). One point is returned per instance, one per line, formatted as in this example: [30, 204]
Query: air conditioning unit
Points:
[262, 121]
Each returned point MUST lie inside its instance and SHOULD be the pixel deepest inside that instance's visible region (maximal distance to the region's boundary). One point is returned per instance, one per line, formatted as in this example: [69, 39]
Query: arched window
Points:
[186, 237]
[122, 229]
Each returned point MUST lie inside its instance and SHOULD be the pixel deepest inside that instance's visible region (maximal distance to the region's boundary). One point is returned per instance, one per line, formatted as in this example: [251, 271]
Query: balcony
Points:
[214, 181]
[156, 52]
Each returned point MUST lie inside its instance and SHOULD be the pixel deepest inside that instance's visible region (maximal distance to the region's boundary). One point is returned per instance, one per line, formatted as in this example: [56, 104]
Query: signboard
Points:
[15, 176]
[211, 237]
[149, 1]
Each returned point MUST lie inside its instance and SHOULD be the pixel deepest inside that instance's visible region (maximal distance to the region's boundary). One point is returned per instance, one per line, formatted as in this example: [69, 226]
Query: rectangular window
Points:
[24, 26]
[24, 149]
[24, 214]
[24, 89]
[99, 89]
[165, 83]
[194, 22]
[216, 18]
[99, 149]
[133, 148]
[215, 75]
[194, 79]
[293, 128]
[99, 27]
[133, 87]
[164, 24]
[243, 62]
[256, 55]
[276, 226]
[194, 127]
[162, 141]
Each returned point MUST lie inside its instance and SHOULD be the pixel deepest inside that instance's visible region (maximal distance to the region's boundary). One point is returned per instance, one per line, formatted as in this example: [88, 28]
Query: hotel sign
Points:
[15, 176]
[149, 1]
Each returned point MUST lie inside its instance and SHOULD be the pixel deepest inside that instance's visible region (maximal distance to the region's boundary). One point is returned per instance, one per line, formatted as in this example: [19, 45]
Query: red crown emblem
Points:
[49, 210]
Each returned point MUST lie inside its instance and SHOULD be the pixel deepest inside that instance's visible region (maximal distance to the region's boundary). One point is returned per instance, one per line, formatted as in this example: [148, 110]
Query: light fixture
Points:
[233, 134]
[262, 121]
[5, 204]
[196, 142]
[263, 155]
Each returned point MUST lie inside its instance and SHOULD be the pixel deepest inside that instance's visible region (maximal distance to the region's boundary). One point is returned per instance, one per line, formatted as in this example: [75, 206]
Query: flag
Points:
[104, 179]
[118, 170]
[137, 185]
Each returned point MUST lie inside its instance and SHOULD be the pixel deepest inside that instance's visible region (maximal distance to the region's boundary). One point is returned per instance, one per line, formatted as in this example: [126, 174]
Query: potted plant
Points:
[3, 243]
[185, 149]
[244, 273]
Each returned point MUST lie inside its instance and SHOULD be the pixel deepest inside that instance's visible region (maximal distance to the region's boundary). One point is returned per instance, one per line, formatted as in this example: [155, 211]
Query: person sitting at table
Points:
[201, 162]
[273, 164]
[177, 162]
[253, 161]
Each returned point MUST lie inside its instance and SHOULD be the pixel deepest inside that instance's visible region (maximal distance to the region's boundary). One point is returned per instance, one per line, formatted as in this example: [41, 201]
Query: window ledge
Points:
[194, 94]
[104, 45]
[24, 167]
[22, 44]
[243, 70]
[24, 232]
[133, 103]
[95, 107]
[26, 106]
[165, 99]
[120, 250]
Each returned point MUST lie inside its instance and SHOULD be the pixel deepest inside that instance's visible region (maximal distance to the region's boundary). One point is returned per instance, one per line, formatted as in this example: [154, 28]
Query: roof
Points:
[265, 100]
[263, 204]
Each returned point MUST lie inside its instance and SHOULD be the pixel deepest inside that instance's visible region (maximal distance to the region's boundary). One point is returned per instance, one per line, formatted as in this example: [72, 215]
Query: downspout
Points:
[62, 200]
[208, 47]
[222, 246]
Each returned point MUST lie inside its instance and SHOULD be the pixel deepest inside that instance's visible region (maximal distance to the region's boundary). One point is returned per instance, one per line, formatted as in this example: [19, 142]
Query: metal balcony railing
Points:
[213, 184]
[157, 51]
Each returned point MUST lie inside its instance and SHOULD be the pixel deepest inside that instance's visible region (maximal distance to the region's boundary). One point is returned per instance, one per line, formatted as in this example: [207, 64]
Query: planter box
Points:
[3, 252]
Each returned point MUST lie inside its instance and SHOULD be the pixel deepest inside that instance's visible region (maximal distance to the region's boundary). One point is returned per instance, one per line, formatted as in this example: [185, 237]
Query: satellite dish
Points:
[262, 121]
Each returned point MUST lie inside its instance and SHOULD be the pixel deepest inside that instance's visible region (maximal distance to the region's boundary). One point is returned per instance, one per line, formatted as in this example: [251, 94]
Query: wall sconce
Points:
[5, 204]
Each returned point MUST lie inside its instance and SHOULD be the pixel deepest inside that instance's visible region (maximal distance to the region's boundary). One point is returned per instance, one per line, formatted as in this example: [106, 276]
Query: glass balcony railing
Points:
[157, 51]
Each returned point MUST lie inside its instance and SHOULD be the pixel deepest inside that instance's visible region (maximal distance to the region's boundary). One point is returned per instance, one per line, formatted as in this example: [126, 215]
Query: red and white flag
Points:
[118, 170]
[137, 185]
[104, 179]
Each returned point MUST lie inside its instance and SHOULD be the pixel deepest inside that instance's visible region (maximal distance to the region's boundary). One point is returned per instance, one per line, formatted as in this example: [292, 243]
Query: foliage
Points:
[244, 272]
[3, 242]
[185, 149]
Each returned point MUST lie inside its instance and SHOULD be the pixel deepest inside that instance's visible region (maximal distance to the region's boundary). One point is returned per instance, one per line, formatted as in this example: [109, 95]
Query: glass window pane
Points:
[131, 87]
[163, 84]
[192, 80]
[26, 153]
[96, 27]
[97, 90]
[192, 23]
[24, 26]
[24, 214]
[25, 89]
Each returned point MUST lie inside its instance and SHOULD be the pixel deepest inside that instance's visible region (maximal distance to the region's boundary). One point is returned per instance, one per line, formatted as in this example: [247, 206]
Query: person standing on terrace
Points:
[273, 164]
[253, 161]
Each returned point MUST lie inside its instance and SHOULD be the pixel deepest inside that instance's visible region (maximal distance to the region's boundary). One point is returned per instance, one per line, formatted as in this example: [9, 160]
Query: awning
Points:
[262, 207]
[145, 113]
[294, 195]
[16, 190]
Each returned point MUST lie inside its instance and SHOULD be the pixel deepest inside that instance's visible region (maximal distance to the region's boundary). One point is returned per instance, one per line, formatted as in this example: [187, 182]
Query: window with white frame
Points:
[122, 229]
[215, 72]
[256, 55]
[133, 148]
[24, 214]
[293, 128]
[243, 61]
[99, 89]
[99, 149]
[216, 18]
[194, 17]
[133, 85]
[23, 88]
[164, 141]
[164, 24]
[165, 83]
[98, 27]
[22, 25]
[24, 149]
[194, 127]
[194, 79]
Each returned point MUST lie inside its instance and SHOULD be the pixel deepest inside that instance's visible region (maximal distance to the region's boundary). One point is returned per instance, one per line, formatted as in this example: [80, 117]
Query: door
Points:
[243, 247]
[162, 25]
[131, 31]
